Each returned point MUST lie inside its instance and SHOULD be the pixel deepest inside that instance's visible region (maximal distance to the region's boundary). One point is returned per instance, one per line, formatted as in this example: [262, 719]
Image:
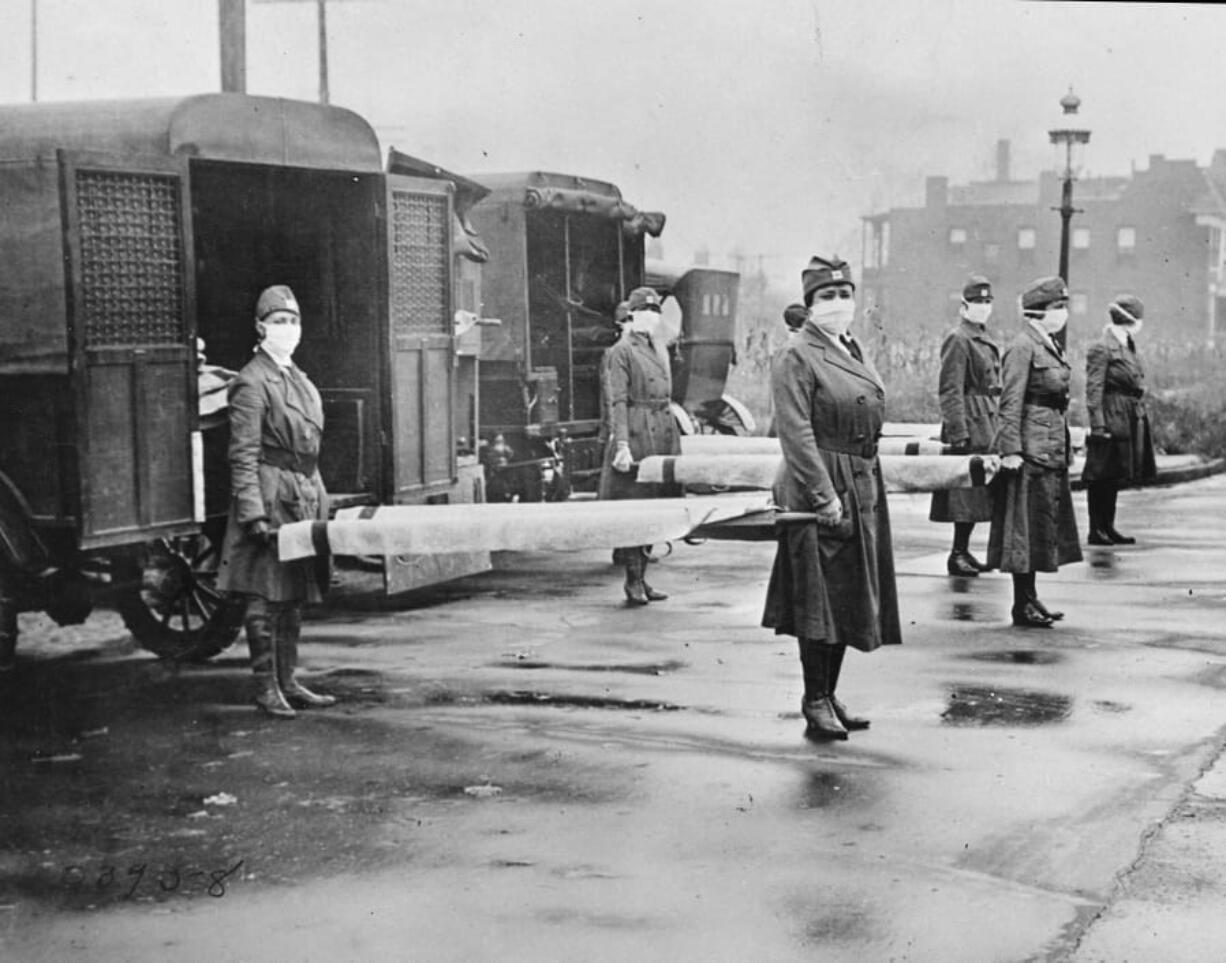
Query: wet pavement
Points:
[523, 768]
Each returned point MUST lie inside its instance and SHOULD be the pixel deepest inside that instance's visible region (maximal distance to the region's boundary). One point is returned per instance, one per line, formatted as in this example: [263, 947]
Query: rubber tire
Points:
[213, 623]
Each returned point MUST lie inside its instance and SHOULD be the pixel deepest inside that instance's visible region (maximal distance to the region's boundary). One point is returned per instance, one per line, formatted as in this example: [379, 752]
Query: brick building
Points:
[1159, 233]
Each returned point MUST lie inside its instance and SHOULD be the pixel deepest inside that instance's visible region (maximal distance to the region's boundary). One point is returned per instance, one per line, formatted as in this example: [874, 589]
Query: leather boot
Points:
[1029, 616]
[652, 594]
[262, 644]
[289, 627]
[962, 564]
[1109, 521]
[1096, 499]
[636, 591]
[821, 722]
[1054, 616]
[850, 723]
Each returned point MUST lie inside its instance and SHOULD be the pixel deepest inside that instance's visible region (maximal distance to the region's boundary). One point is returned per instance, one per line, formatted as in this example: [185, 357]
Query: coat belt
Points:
[1044, 400]
[868, 450]
[288, 460]
[651, 403]
[1128, 392]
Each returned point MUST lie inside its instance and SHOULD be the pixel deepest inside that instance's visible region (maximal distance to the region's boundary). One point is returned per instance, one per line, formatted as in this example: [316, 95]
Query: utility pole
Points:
[321, 29]
[322, 19]
[34, 51]
[232, 33]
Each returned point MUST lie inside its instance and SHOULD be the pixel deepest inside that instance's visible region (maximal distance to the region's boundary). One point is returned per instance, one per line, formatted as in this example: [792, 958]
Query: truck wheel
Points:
[175, 611]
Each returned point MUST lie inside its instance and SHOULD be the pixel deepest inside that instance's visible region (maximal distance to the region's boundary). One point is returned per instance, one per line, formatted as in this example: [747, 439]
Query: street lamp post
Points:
[1070, 136]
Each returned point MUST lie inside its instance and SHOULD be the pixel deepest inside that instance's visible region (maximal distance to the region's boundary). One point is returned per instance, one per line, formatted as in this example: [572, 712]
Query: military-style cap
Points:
[276, 298]
[821, 273]
[621, 313]
[1042, 292]
[977, 286]
[1126, 309]
[643, 299]
[795, 315]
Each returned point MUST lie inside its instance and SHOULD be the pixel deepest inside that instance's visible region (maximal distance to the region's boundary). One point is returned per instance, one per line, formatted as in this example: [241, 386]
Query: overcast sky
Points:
[767, 127]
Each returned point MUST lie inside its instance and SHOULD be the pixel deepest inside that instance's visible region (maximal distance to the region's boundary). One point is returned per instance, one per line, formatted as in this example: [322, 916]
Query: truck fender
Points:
[685, 424]
[737, 412]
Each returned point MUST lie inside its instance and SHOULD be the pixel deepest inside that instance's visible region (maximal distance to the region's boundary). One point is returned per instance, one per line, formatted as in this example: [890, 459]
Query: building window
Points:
[991, 253]
[1126, 240]
[1025, 238]
[957, 235]
[1081, 238]
[1078, 304]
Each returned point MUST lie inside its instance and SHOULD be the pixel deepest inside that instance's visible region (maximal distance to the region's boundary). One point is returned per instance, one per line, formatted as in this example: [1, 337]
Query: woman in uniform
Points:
[1033, 527]
[276, 422]
[1120, 450]
[832, 585]
[969, 388]
[637, 392]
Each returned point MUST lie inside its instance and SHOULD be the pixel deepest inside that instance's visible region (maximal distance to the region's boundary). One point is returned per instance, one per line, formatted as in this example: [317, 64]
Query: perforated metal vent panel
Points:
[131, 258]
[420, 253]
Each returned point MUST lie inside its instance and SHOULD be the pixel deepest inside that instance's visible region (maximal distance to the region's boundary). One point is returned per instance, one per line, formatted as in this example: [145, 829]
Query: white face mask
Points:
[1053, 320]
[646, 321]
[1132, 329]
[977, 311]
[833, 317]
[280, 340]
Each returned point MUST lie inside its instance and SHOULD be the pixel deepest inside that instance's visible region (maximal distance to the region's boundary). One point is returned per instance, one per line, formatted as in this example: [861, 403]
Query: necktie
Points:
[1132, 346]
[853, 349]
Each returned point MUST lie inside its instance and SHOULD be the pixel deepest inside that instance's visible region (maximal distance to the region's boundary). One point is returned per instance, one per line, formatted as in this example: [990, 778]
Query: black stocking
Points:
[836, 665]
[1023, 588]
[815, 664]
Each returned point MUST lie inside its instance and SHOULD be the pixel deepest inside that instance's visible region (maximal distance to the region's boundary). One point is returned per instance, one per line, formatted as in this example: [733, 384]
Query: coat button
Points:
[861, 400]
[860, 437]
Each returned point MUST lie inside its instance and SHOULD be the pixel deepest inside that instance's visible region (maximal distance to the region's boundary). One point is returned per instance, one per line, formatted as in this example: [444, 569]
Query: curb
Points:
[1173, 474]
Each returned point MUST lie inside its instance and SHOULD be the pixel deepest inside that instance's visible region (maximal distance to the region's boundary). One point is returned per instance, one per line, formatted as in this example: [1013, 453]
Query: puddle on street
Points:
[1017, 656]
[1102, 564]
[522, 697]
[964, 606]
[824, 789]
[971, 705]
[634, 668]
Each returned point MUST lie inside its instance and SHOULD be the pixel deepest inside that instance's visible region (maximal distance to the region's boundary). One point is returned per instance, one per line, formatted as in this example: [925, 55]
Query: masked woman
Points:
[969, 388]
[1120, 450]
[832, 585]
[276, 423]
[637, 387]
[1033, 526]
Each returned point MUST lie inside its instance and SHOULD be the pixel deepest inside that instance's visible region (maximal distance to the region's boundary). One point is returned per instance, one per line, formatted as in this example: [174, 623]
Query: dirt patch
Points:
[972, 705]
[522, 697]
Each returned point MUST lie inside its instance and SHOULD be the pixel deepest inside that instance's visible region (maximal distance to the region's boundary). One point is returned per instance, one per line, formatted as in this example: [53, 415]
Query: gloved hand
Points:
[830, 514]
[262, 533]
[622, 461]
[1011, 463]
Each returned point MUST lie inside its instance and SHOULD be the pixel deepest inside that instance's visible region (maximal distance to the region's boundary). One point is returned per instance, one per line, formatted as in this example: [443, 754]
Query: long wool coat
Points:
[1033, 525]
[637, 388]
[835, 586]
[275, 415]
[969, 388]
[1115, 389]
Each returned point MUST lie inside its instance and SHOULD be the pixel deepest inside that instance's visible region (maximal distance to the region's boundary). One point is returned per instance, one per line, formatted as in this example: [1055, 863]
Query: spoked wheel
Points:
[177, 611]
